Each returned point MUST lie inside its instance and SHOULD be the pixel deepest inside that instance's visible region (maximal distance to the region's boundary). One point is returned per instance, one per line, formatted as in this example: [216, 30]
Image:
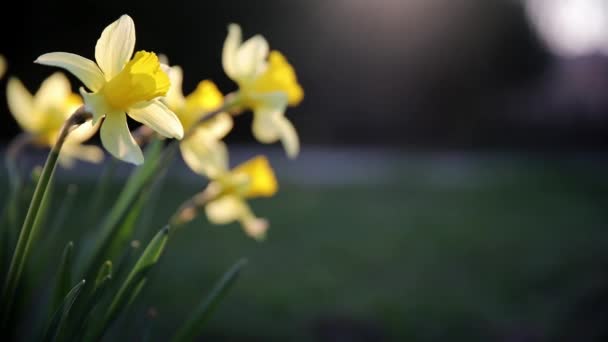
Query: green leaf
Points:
[135, 280]
[56, 323]
[194, 325]
[28, 232]
[63, 280]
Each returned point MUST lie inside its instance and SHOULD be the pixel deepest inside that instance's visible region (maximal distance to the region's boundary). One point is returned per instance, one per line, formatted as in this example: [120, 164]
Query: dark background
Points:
[416, 74]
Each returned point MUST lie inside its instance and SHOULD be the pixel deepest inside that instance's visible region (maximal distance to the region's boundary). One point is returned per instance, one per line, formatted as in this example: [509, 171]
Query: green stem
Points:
[24, 243]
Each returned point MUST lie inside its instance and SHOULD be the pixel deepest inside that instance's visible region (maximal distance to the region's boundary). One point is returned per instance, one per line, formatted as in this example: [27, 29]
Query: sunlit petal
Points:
[96, 104]
[205, 156]
[255, 227]
[226, 209]
[229, 52]
[21, 105]
[115, 46]
[288, 136]
[218, 127]
[83, 132]
[117, 139]
[157, 116]
[89, 153]
[175, 96]
[251, 57]
[53, 91]
[85, 69]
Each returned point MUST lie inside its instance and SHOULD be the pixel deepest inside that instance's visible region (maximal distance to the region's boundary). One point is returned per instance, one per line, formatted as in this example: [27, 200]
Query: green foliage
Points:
[89, 309]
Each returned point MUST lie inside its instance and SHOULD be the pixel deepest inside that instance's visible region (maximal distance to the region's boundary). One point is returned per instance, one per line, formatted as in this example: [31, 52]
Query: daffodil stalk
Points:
[24, 242]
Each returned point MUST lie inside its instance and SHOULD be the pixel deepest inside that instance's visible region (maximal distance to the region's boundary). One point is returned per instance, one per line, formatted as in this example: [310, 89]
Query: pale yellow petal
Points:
[117, 139]
[270, 126]
[85, 69]
[21, 105]
[88, 153]
[251, 57]
[175, 97]
[157, 116]
[226, 209]
[264, 126]
[96, 104]
[53, 92]
[229, 52]
[83, 132]
[115, 46]
[288, 135]
[255, 227]
[203, 155]
[218, 127]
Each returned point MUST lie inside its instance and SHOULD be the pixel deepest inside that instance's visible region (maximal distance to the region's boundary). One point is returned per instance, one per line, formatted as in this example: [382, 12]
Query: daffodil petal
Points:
[175, 97]
[89, 153]
[264, 126]
[255, 227]
[270, 126]
[96, 104]
[83, 132]
[218, 127]
[229, 52]
[117, 139]
[53, 92]
[225, 209]
[204, 156]
[289, 136]
[158, 117]
[85, 69]
[115, 46]
[21, 104]
[251, 57]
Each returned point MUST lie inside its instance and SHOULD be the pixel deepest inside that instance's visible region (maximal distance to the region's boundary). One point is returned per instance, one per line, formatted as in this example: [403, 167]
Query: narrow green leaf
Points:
[135, 280]
[194, 325]
[56, 323]
[63, 280]
[27, 233]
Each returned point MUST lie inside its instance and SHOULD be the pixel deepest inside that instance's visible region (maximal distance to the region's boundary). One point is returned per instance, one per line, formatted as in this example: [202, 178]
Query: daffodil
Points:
[204, 142]
[42, 115]
[267, 85]
[2, 66]
[254, 178]
[121, 83]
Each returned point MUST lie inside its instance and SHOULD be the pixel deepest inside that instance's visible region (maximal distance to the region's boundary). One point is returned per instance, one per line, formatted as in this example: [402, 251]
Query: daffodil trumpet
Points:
[27, 232]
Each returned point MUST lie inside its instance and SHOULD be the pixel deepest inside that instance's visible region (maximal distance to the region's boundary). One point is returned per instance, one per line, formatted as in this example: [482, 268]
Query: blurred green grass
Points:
[474, 250]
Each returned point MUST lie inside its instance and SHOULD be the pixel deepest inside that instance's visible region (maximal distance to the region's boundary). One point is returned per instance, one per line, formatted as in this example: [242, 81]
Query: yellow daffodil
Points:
[42, 115]
[253, 178]
[204, 142]
[121, 84]
[2, 66]
[267, 85]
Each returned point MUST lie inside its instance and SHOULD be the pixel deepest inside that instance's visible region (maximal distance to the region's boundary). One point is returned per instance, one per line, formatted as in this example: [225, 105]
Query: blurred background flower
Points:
[451, 183]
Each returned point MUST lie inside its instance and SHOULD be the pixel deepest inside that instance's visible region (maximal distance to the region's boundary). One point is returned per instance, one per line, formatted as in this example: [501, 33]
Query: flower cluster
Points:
[120, 82]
